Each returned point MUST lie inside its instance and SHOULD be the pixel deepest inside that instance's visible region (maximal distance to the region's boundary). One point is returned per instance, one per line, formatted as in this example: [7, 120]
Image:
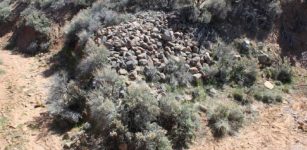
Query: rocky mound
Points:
[152, 40]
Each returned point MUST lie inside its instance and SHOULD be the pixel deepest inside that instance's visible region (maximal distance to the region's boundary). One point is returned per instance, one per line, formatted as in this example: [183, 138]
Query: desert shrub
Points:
[255, 19]
[228, 69]
[5, 11]
[153, 138]
[88, 21]
[219, 73]
[37, 26]
[138, 109]
[66, 101]
[281, 72]
[225, 120]
[244, 72]
[137, 119]
[94, 57]
[159, 4]
[180, 120]
[103, 110]
[58, 4]
[267, 97]
[151, 74]
[1, 71]
[131, 122]
[284, 75]
[177, 74]
[35, 19]
[258, 14]
[240, 96]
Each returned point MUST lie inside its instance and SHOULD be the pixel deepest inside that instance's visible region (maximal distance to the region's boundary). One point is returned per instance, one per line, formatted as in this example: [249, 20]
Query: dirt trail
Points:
[23, 89]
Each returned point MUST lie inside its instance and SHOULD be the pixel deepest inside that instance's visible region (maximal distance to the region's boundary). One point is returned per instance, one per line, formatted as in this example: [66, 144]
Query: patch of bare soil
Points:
[278, 127]
[23, 91]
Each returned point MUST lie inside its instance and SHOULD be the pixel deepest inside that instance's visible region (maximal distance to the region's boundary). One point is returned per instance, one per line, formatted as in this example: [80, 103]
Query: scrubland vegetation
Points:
[158, 106]
[1, 71]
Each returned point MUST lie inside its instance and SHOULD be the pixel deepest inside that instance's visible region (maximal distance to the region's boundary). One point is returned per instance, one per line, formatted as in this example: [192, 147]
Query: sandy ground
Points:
[276, 128]
[23, 119]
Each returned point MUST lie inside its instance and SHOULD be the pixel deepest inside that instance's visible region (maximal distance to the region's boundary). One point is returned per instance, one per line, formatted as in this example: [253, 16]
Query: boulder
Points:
[264, 59]
[168, 35]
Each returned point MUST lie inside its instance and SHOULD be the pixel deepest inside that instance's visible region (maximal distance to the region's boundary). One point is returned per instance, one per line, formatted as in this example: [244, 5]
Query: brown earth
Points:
[23, 89]
[278, 127]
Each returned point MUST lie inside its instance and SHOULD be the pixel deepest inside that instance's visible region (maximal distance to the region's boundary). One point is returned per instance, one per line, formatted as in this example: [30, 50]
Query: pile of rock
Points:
[150, 40]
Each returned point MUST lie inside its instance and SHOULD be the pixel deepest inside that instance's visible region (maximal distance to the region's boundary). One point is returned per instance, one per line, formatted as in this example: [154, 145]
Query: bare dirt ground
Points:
[276, 127]
[23, 89]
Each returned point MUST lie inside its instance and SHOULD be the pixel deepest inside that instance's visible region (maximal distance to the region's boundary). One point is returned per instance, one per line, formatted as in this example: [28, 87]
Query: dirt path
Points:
[23, 89]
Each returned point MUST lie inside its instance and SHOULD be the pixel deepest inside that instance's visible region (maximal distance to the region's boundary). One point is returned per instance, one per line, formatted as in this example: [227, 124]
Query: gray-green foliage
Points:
[134, 116]
[179, 119]
[1, 71]
[36, 19]
[141, 121]
[66, 102]
[225, 120]
[5, 11]
[282, 72]
[159, 4]
[94, 57]
[89, 20]
[177, 74]
[248, 11]
[229, 69]
[268, 96]
[58, 4]
[241, 97]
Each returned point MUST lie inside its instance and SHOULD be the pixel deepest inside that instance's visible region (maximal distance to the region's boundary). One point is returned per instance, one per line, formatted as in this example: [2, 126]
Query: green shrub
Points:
[244, 73]
[284, 75]
[281, 72]
[66, 101]
[180, 120]
[227, 70]
[86, 22]
[58, 4]
[177, 74]
[5, 11]
[1, 71]
[142, 122]
[151, 74]
[35, 26]
[225, 120]
[250, 14]
[94, 57]
[267, 97]
[240, 96]
[153, 138]
[35, 19]
[159, 4]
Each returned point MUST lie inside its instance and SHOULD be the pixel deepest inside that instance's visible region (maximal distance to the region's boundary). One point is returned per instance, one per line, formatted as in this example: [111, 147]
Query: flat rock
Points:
[269, 85]
[122, 72]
